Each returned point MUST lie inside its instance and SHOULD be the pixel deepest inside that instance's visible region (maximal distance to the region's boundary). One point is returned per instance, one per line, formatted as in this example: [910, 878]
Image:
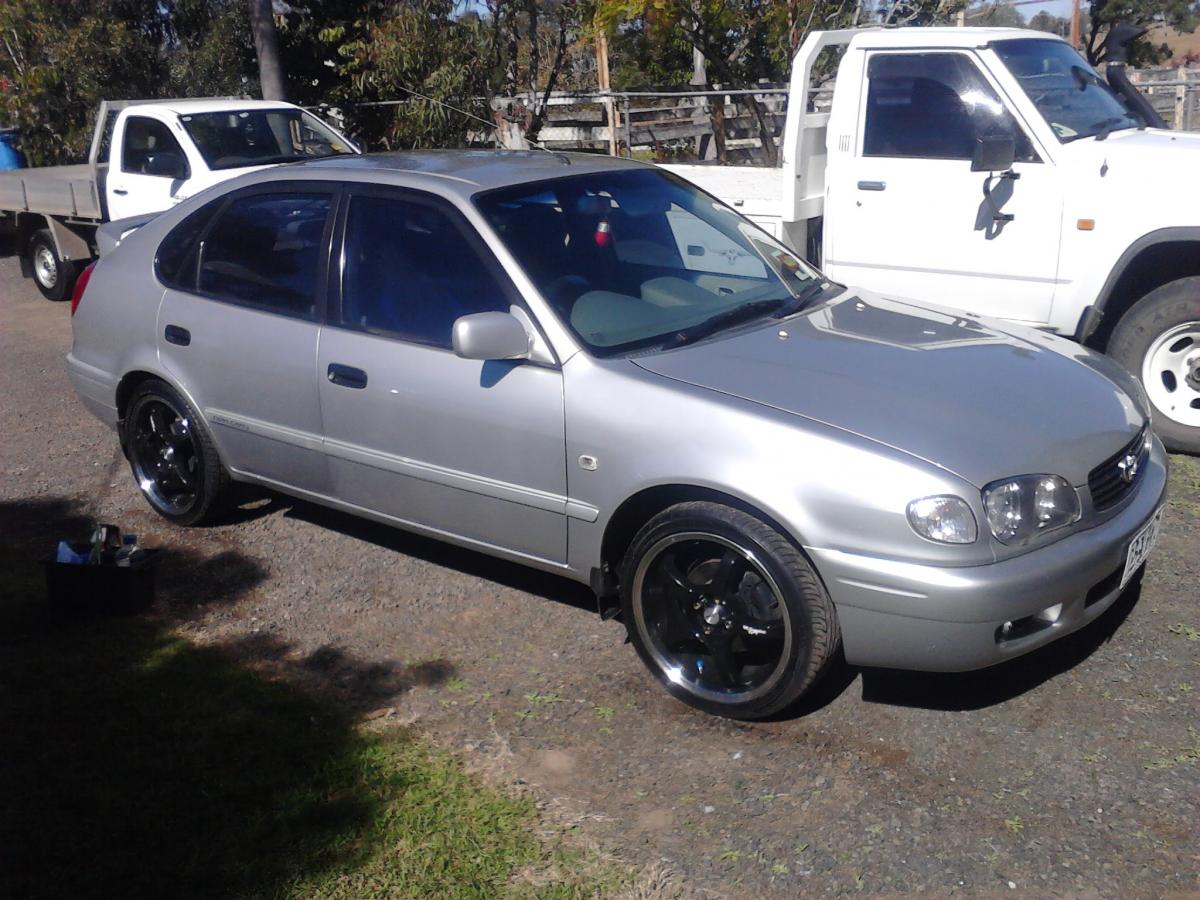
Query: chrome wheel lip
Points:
[1161, 365]
[45, 267]
[148, 480]
[671, 669]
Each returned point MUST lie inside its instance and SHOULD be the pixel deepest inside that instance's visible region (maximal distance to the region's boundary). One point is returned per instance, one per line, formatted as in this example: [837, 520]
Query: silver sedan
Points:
[589, 366]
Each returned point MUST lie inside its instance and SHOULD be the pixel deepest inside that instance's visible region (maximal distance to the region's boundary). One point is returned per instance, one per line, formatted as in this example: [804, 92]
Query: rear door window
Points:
[266, 251]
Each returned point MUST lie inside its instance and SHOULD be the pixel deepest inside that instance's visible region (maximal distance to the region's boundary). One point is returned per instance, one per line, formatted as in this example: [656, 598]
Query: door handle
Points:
[872, 185]
[120, 191]
[347, 376]
[176, 335]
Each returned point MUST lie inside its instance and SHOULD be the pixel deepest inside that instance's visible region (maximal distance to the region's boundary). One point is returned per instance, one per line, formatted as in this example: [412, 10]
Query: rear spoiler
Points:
[110, 234]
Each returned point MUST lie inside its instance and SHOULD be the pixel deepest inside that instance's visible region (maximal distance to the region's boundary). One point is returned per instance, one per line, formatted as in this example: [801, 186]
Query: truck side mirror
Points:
[167, 164]
[993, 153]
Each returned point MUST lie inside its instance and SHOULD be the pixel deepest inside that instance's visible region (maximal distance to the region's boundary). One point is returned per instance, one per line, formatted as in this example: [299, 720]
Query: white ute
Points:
[145, 157]
[994, 171]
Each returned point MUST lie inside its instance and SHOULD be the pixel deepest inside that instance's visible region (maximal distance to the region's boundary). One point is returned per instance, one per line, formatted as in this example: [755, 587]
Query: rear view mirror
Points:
[993, 153]
[490, 335]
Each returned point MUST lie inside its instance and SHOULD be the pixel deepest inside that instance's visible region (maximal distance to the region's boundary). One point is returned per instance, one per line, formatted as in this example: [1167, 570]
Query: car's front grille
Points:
[1110, 481]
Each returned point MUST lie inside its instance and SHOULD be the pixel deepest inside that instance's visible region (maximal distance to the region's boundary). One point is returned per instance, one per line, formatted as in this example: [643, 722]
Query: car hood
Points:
[958, 391]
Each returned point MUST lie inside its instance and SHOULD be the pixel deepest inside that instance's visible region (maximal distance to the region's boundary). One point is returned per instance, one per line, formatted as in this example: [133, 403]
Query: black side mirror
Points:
[167, 164]
[994, 153]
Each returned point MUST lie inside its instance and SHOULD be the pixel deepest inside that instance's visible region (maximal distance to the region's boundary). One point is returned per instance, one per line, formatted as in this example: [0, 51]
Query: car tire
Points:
[1158, 340]
[53, 275]
[172, 456]
[727, 613]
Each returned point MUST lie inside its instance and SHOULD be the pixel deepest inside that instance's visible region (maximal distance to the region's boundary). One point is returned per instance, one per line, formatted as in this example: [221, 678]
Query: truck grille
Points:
[1108, 482]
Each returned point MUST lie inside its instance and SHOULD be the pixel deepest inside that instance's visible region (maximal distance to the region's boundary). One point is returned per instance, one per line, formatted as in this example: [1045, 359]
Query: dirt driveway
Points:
[1075, 771]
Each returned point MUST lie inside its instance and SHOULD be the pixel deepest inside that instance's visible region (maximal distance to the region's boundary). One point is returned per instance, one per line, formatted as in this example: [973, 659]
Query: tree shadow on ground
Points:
[136, 763]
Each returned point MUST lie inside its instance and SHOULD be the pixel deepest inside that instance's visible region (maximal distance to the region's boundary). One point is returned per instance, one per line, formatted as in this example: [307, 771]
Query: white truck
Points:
[993, 170]
[145, 157]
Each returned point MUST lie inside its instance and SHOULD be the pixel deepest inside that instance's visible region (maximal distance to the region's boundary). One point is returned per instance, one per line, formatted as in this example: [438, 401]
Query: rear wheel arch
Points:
[1154, 260]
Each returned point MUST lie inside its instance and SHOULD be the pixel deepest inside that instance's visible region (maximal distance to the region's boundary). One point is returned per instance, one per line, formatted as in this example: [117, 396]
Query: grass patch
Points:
[136, 763]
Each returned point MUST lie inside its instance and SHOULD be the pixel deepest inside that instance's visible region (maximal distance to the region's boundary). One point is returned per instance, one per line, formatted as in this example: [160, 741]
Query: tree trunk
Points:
[266, 46]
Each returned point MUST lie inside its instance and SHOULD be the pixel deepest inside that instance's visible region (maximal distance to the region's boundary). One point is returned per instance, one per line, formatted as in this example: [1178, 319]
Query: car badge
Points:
[1128, 468]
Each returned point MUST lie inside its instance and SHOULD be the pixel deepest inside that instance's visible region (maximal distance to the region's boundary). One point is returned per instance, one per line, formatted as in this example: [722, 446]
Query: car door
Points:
[239, 324]
[413, 432]
[148, 170]
[907, 216]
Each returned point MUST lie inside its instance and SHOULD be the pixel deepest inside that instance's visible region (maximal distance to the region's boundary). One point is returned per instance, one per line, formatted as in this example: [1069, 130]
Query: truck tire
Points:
[1158, 340]
[53, 275]
[726, 612]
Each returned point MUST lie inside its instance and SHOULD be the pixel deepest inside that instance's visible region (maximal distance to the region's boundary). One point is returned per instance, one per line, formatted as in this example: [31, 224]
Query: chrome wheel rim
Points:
[45, 267]
[712, 618]
[165, 457]
[1171, 374]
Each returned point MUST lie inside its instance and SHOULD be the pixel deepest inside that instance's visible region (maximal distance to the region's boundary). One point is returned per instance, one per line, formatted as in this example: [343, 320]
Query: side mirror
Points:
[167, 164]
[490, 335]
[994, 153]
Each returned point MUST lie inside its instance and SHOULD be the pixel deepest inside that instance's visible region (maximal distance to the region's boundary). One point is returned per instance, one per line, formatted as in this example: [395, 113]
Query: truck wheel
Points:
[53, 275]
[1158, 340]
[726, 612]
[173, 459]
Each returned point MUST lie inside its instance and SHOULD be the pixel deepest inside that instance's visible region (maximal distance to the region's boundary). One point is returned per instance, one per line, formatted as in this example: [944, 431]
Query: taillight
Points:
[81, 284]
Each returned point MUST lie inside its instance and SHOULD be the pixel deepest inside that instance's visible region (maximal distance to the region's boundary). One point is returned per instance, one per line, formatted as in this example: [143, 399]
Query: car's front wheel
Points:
[173, 458]
[726, 612]
[1158, 340]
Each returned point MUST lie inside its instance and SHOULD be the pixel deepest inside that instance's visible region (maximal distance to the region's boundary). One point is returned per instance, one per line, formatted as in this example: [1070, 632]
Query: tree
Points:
[1044, 21]
[266, 46]
[60, 58]
[1179, 15]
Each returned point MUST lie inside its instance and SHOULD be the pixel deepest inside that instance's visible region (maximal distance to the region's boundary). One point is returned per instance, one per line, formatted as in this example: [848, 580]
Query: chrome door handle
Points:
[872, 185]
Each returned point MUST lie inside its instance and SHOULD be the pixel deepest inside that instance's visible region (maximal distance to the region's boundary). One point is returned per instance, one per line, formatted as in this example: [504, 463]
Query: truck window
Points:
[150, 149]
[257, 137]
[933, 106]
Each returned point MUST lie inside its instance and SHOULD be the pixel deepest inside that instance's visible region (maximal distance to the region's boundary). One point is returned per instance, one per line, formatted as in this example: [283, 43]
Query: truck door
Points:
[907, 217]
[147, 171]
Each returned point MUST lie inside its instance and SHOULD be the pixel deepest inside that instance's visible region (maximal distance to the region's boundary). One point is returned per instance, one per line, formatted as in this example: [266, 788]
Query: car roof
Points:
[469, 171]
[943, 36]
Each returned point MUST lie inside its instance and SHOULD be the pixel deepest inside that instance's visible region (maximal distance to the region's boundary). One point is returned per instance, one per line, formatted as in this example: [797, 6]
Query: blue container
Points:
[10, 156]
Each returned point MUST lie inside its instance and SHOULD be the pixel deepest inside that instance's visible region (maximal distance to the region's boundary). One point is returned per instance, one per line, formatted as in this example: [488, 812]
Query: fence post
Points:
[1181, 96]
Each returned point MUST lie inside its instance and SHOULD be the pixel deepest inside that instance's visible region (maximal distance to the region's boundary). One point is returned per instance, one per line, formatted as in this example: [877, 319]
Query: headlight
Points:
[1020, 509]
[947, 520]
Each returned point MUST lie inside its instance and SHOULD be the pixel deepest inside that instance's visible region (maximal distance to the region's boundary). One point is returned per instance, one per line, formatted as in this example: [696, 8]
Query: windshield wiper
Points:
[1106, 127]
[812, 292]
[724, 319]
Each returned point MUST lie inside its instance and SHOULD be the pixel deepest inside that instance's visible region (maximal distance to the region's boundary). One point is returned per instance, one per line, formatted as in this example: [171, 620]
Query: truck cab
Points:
[993, 170]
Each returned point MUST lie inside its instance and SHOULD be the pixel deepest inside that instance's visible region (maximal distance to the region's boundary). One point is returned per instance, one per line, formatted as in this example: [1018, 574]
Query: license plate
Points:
[1140, 546]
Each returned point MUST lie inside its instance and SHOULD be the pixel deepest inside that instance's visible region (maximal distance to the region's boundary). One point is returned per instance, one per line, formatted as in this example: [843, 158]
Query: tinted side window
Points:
[176, 257]
[933, 106]
[264, 250]
[410, 271]
[149, 148]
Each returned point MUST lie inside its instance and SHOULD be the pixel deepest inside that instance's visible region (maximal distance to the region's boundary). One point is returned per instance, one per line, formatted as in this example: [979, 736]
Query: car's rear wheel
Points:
[53, 275]
[171, 453]
[1158, 340]
[726, 612]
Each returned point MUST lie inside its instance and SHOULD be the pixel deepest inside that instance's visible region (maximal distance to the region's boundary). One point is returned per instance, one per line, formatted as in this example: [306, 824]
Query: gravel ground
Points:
[1074, 771]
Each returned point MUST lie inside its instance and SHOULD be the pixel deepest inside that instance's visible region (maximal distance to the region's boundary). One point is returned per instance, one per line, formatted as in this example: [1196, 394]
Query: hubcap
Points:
[45, 267]
[712, 617]
[165, 458]
[1171, 374]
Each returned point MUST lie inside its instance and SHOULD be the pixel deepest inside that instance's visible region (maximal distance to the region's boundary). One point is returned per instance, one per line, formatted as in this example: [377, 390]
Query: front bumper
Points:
[945, 619]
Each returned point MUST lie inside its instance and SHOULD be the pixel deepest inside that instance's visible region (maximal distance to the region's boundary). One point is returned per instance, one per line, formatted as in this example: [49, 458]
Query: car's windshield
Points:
[258, 137]
[636, 259]
[1065, 89]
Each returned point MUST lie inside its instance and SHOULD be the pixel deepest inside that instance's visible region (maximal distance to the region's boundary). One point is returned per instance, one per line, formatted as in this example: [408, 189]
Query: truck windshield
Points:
[1065, 89]
[639, 259]
[254, 137]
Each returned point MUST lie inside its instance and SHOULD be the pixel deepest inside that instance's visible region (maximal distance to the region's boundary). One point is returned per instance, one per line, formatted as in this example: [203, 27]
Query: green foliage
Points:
[1179, 15]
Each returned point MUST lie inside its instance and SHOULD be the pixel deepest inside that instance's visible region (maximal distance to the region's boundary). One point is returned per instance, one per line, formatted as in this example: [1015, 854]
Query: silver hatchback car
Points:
[589, 366]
